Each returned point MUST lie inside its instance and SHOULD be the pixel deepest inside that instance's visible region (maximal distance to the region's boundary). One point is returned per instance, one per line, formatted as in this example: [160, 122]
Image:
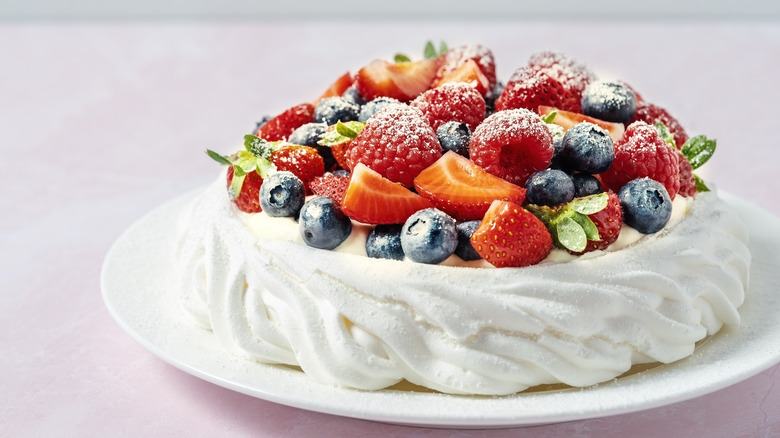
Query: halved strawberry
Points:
[373, 199]
[338, 87]
[281, 126]
[460, 188]
[510, 236]
[567, 119]
[470, 73]
[402, 80]
[482, 57]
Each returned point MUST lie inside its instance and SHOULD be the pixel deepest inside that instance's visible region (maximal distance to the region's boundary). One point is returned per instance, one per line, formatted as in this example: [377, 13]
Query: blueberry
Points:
[454, 136]
[490, 98]
[352, 94]
[322, 224]
[263, 120]
[585, 185]
[557, 132]
[646, 205]
[549, 187]
[610, 101]
[429, 236]
[373, 107]
[588, 148]
[333, 109]
[384, 242]
[465, 250]
[308, 134]
[282, 194]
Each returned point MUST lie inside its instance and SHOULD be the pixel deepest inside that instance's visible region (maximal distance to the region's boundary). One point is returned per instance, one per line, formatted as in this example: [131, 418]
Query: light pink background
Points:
[100, 123]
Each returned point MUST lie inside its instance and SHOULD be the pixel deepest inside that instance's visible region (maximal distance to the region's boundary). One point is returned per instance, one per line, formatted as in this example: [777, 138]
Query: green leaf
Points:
[235, 184]
[700, 185]
[666, 134]
[257, 146]
[400, 57]
[443, 48]
[698, 150]
[590, 229]
[590, 204]
[550, 117]
[571, 235]
[430, 51]
[344, 132]
[221, 159]
[265, 168]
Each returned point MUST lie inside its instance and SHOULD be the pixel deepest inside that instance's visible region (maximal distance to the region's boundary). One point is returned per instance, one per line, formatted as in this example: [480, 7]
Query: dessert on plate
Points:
[422, 221]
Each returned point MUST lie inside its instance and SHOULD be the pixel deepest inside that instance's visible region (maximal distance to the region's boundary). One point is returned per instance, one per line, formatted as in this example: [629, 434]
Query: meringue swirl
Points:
[368, 324]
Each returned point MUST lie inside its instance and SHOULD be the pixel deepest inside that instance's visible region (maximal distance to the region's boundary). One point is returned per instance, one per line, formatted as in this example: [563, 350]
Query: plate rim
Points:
[153, 231]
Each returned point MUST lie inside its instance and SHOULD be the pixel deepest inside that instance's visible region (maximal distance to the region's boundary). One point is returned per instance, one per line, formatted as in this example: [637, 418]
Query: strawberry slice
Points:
[470, 73]
[373, 199]
[338, 87]
[510, 236]
[567, 119]
[402, 80]
[462, 189]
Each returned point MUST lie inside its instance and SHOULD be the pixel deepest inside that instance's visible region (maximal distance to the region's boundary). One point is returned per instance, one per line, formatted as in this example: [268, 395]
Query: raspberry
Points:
[530, 89]
[451, 102]
[397, 143]
[281, 126]
[330, 185]
[573, 76]
[652, 114]
[512, 145]
[643, 153]
[687, 180]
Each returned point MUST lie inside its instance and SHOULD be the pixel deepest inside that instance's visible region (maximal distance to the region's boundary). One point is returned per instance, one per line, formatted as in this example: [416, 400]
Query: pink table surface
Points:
[102, 122]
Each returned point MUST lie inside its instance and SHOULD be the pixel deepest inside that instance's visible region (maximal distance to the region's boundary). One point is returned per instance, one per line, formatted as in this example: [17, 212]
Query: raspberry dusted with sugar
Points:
[512, 145]
[573, 76]
[281, 126]
[531, 89]
[643, 153]
[397, 142]
[457, 102]
[652, 114]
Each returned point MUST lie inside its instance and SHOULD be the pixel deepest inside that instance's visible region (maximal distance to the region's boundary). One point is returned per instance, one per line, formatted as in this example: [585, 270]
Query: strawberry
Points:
[585, 224]
[470, 73]
[330, 185]
[281, 126]
[337, 88]
[303, 161]
[451, 102]
[460, 188]
[248, 197]
[402, 80]
[510, 236]
[652, 114]
[512, 144]
[397, 142]
[373, 199]
[528, 88]
[567, 119]
[643, 153]
[456, 57]
[339, 138]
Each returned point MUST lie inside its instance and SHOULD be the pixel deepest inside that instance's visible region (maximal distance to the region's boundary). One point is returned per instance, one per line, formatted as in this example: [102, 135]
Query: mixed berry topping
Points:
[440, 159]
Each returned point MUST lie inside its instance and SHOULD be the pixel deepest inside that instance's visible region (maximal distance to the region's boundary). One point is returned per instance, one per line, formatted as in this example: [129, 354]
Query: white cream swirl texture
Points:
[365, 323]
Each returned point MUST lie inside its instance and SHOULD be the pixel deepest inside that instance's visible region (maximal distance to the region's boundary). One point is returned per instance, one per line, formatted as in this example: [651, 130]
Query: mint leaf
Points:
[666, 134]
[430, 51]
[590, 204]
[400, 57]
[344, 132]
[700, 185]
[590, 229]
[218, 158]
[443, 48]
[235, 184]
[571, 235]
[550, 117]
[258, 147]
[698, 150]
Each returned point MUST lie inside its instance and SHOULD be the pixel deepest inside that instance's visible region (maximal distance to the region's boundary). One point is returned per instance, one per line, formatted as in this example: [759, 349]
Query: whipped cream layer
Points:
[367, 323]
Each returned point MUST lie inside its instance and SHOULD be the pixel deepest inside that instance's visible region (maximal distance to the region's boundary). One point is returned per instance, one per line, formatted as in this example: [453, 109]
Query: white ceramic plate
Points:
[137, 284]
